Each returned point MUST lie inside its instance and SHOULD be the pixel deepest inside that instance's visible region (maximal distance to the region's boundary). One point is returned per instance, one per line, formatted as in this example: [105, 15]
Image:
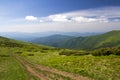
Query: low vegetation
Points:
[10, 69]
[96, 67]
[74, 52]
[98, 52]
[98, 64]
[106, 51]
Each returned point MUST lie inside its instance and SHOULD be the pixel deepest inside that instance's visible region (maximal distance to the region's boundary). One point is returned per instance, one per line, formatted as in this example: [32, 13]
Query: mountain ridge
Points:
[24, 36]
[108, 39]
[52, 40]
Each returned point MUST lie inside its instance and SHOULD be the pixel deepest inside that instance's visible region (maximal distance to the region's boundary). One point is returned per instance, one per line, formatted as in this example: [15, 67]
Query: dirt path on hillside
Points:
[44, 73]
[63, 73]
[32, 70]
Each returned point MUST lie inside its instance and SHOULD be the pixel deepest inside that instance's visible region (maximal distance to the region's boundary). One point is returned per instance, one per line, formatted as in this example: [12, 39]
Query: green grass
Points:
[96, 67]
[10, 69]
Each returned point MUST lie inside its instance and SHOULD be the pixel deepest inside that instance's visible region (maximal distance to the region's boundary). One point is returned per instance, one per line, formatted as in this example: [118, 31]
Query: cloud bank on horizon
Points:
[88, 20]
[102, 15]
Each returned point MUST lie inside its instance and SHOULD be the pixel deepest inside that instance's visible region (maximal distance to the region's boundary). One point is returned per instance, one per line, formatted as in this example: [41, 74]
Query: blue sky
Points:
[59, 15]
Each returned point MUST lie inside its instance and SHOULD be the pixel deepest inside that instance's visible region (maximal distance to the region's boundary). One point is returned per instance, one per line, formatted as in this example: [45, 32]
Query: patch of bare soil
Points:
[32, 70]
[63, 73]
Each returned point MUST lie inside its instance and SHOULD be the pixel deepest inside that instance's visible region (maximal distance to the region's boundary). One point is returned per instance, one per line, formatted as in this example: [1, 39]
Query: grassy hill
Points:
[26, 61]
[109, 39]
[5, 42]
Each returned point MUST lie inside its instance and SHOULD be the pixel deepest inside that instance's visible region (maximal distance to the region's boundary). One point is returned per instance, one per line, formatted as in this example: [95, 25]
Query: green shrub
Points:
[30, 54]
[106, 51]
[19, 52]
[45, 48]
[73, 52]
[4, 55]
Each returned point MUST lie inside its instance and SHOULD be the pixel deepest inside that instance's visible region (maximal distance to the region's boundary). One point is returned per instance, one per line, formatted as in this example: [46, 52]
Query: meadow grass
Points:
[96, 67]
[10, 69]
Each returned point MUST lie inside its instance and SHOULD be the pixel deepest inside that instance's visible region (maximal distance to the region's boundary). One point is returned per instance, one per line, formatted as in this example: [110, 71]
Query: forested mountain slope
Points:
[109, 39]
[53, 40]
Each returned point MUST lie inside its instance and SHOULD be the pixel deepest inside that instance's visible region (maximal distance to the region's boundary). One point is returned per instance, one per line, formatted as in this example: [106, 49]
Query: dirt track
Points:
[31, 70]
[45, 73]
[70, 75]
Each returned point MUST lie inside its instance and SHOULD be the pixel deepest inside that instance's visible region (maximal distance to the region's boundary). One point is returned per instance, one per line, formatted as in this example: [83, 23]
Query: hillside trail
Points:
[31, 70]
[63, 73]
[45, 73]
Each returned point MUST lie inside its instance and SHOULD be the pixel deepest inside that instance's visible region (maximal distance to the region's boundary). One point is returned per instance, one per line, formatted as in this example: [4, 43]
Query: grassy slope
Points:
[10, 69]
[105, 67]
[98, 68]
[109, 39]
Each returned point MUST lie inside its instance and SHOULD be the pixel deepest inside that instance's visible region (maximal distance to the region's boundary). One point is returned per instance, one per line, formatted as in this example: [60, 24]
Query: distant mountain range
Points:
[31, 36]
[109, 39]
[53, 40]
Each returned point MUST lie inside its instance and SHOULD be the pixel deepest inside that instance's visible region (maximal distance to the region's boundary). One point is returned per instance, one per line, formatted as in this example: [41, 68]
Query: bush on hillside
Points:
[106, 51]
[19, 52]
[4, 55]
[73, 52]
[31, 54]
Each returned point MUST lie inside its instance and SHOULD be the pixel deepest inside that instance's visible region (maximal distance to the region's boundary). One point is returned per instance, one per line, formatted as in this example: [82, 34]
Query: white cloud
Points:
[65, 18]
[103, 20]
[41, 21]
[101, 15]
[55, 18]
[83, 19]
[105, 11]
[31, 18]
[58, 18]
